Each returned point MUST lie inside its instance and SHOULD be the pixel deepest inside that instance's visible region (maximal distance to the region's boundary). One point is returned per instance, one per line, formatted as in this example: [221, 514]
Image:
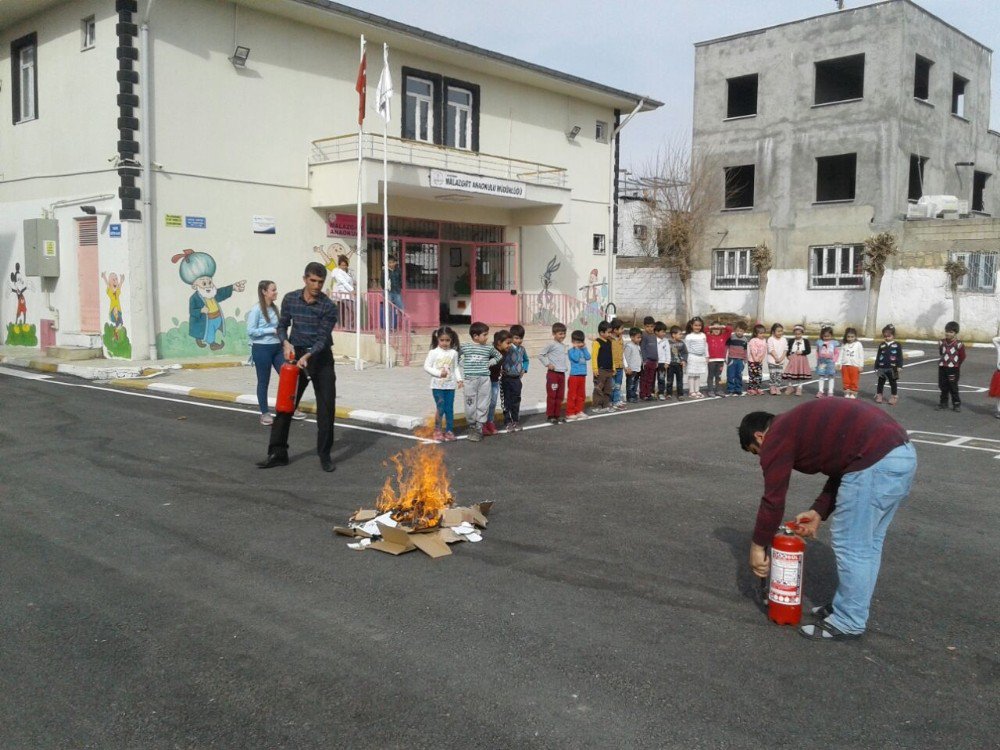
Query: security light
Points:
[239, 58]
[572, 134]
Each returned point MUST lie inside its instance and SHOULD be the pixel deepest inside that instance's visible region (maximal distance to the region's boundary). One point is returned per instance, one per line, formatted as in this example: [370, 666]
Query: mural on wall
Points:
[595, 294]
[584, 314]
[338, 280]
[115, 334]
[206, 330]
[544, 314]
[20, 333]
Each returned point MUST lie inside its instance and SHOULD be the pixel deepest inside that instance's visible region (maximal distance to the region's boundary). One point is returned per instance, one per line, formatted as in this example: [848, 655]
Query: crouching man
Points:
[869, 463]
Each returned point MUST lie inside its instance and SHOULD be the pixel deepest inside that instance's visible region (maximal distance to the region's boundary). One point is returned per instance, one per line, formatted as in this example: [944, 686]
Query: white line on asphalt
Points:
[957, 441]
[24, 375]
[225, 408]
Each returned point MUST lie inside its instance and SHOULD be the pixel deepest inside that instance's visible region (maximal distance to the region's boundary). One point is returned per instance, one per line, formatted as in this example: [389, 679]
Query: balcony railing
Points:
[399, 151]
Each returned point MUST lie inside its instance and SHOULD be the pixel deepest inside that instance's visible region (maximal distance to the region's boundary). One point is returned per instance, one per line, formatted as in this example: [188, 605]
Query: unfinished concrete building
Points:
[830, 129]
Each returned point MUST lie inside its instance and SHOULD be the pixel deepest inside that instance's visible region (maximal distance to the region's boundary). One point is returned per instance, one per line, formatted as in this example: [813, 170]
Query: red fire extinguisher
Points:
[288, 386]
[784, 596]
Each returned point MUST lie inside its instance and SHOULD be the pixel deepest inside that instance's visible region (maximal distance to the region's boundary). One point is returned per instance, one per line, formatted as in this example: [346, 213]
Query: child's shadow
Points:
[820, 569]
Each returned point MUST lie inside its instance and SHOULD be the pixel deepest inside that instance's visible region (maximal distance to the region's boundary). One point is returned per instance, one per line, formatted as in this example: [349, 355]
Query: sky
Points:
[642, 46]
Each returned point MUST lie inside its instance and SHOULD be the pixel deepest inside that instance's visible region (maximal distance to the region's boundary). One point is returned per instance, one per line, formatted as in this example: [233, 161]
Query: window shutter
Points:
[86, 230]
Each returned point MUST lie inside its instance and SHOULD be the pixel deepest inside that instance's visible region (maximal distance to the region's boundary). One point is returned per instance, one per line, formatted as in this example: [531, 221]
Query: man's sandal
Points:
[821, 612]
[824, 631]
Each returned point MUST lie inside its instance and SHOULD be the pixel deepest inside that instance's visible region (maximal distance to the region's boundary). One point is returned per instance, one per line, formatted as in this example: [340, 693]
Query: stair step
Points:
[74, 352]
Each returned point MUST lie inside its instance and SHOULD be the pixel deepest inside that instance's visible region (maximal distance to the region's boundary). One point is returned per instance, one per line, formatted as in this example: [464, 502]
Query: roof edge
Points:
[860, 9]
[649, 104]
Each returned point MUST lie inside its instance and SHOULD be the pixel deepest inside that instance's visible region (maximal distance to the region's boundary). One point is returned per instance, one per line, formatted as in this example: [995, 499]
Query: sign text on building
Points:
[343, 225]
[470, 183]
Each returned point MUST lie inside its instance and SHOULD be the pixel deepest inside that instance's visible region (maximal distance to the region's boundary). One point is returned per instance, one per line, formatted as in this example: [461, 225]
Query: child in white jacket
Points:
[851, 362]
[446, 375]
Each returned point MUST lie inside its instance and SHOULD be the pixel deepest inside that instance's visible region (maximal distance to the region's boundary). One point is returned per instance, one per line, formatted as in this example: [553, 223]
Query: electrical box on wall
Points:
[41, 248]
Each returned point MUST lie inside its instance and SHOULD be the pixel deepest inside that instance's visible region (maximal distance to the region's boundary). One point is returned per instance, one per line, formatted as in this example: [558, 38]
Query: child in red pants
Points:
[554, 360]
[579, 358]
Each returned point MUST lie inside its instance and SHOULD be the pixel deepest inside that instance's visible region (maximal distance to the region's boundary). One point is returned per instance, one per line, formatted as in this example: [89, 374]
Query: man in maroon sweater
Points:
[869, 463]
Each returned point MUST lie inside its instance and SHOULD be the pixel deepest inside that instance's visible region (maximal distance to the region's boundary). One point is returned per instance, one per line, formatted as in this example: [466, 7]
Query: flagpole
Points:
[385, 215]
[358, 365]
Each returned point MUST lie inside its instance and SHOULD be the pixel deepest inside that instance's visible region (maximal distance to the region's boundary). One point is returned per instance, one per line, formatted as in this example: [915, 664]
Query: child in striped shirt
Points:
[476, 358]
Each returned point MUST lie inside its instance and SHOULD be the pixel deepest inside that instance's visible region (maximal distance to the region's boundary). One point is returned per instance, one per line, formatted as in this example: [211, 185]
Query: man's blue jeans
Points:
[866, 503]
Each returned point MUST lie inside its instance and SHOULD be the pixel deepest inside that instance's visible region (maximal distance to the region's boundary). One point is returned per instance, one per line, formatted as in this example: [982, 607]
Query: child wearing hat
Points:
[798, 359]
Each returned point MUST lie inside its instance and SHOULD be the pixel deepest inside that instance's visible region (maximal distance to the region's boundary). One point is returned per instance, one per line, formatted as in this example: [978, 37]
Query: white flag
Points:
[384, 92]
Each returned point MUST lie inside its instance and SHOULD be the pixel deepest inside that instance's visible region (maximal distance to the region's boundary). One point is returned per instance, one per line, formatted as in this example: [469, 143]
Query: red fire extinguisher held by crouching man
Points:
[869, 463]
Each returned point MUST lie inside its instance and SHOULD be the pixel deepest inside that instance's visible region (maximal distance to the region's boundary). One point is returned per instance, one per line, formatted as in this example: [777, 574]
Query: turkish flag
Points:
[362, 87]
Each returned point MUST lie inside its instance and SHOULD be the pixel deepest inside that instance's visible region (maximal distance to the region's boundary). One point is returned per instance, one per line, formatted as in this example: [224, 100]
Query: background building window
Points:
[24, 74]
[601, 131]
[733, 270]
[88, 33]
[916, 186]
[979, 180]
[640, 231]
[982, 271]
[922, 78]
[458, 123]
[958, 86]
[836, 267]
[739, 186]
[840, 80]
[835, 177]
[418, 120]
[741, 96]
[599, 246]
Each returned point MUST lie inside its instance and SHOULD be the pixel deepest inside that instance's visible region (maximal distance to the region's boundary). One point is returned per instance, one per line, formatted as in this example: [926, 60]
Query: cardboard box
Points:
[434, 541]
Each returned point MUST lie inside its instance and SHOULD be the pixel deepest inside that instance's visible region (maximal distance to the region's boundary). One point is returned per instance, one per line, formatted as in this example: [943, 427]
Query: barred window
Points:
[836, 267]
[733, 270]
[982, 271]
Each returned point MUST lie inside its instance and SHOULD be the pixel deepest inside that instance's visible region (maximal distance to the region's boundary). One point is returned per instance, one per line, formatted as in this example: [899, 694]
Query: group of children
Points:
[654, 362]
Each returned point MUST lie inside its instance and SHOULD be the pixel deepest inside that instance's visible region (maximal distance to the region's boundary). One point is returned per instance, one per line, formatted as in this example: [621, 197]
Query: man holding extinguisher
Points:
[311, 315]
[869, 463]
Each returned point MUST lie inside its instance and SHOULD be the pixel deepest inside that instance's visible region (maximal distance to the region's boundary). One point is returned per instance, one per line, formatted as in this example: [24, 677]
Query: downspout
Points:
[613, 191]
[145, 109]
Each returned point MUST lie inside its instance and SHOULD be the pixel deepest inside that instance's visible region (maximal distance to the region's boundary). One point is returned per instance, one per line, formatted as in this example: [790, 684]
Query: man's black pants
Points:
[948, 383]
[321, 372]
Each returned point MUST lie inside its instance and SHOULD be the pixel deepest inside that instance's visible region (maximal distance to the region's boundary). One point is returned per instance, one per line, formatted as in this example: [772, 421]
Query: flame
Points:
[421, 490]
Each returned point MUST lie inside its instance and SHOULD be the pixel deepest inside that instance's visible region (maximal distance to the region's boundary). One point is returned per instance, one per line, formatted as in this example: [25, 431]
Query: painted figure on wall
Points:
[113, 288]
[337, 259]
[594, 293]
[18, 286]
[545, 314]
[206, 318]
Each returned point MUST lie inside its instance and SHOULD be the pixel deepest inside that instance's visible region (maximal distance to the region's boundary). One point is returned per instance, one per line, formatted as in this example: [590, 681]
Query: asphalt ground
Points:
[159, 591]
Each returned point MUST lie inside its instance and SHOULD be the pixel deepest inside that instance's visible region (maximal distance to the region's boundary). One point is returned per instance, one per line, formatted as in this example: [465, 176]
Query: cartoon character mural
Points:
[115, 337]
[206, 318]
[20, 333]
[545, 315]
[594, 293]
[330, 256]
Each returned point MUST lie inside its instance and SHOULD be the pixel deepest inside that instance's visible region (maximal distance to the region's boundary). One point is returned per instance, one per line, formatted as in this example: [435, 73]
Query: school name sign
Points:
[469, 183]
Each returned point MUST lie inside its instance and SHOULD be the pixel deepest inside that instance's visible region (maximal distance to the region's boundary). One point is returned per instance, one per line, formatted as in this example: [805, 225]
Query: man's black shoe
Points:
[273, 460]
[327, 464]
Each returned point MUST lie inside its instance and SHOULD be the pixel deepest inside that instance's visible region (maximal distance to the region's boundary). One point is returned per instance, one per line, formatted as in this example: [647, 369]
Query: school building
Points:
[158, 159]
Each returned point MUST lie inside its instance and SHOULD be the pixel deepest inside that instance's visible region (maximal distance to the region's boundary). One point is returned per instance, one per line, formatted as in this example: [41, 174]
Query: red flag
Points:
[362, 87]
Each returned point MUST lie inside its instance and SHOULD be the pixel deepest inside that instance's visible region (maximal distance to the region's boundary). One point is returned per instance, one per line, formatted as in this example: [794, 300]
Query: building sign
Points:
[263, 225]
[172, 220]
[470, 183]
[49, 249]
[195, 222]
[343, 225]
[114, 230]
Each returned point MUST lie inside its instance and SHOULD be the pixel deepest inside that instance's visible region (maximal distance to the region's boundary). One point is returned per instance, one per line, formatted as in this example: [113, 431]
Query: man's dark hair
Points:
[603, 326]
[578, 335]
[951, 327]
[633, 331]
[659, 326]
[477, 329]
[648, 320]
[755, 421]
[315, 269]
[558, 328]
[517, 330]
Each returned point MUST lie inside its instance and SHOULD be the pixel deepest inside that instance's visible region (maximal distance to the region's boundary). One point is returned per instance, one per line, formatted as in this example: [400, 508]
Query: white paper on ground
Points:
[360, 544]
[369, 527]
[385, 519]
[464, 528]
[475, 536]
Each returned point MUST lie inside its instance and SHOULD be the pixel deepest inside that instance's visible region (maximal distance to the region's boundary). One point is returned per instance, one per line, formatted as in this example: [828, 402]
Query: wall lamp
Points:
[239, 58]
[572, 134]
[965, 163]
[92, 211]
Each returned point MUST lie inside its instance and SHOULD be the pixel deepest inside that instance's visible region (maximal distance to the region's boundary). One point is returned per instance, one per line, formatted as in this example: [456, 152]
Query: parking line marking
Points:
[23, 374]
[987, 445]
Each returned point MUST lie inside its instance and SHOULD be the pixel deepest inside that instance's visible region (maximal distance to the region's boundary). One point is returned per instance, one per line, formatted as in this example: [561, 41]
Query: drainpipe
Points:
[613, 199]
[145, 110]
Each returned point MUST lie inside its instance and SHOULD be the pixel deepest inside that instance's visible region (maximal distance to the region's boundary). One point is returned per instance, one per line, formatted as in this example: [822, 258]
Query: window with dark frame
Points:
[958, 88]
[981, 271]
[640, 231]
[836, 267]
[916, 183]
[922, 78]
[840, 80]
[88, 33]
[836, 177]
[741, 96]
[739, 186]
[458, 122]
[733, 269]
[979, 180]
[440, 110]
[601, 131]
[24, 75]
[599, 246]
